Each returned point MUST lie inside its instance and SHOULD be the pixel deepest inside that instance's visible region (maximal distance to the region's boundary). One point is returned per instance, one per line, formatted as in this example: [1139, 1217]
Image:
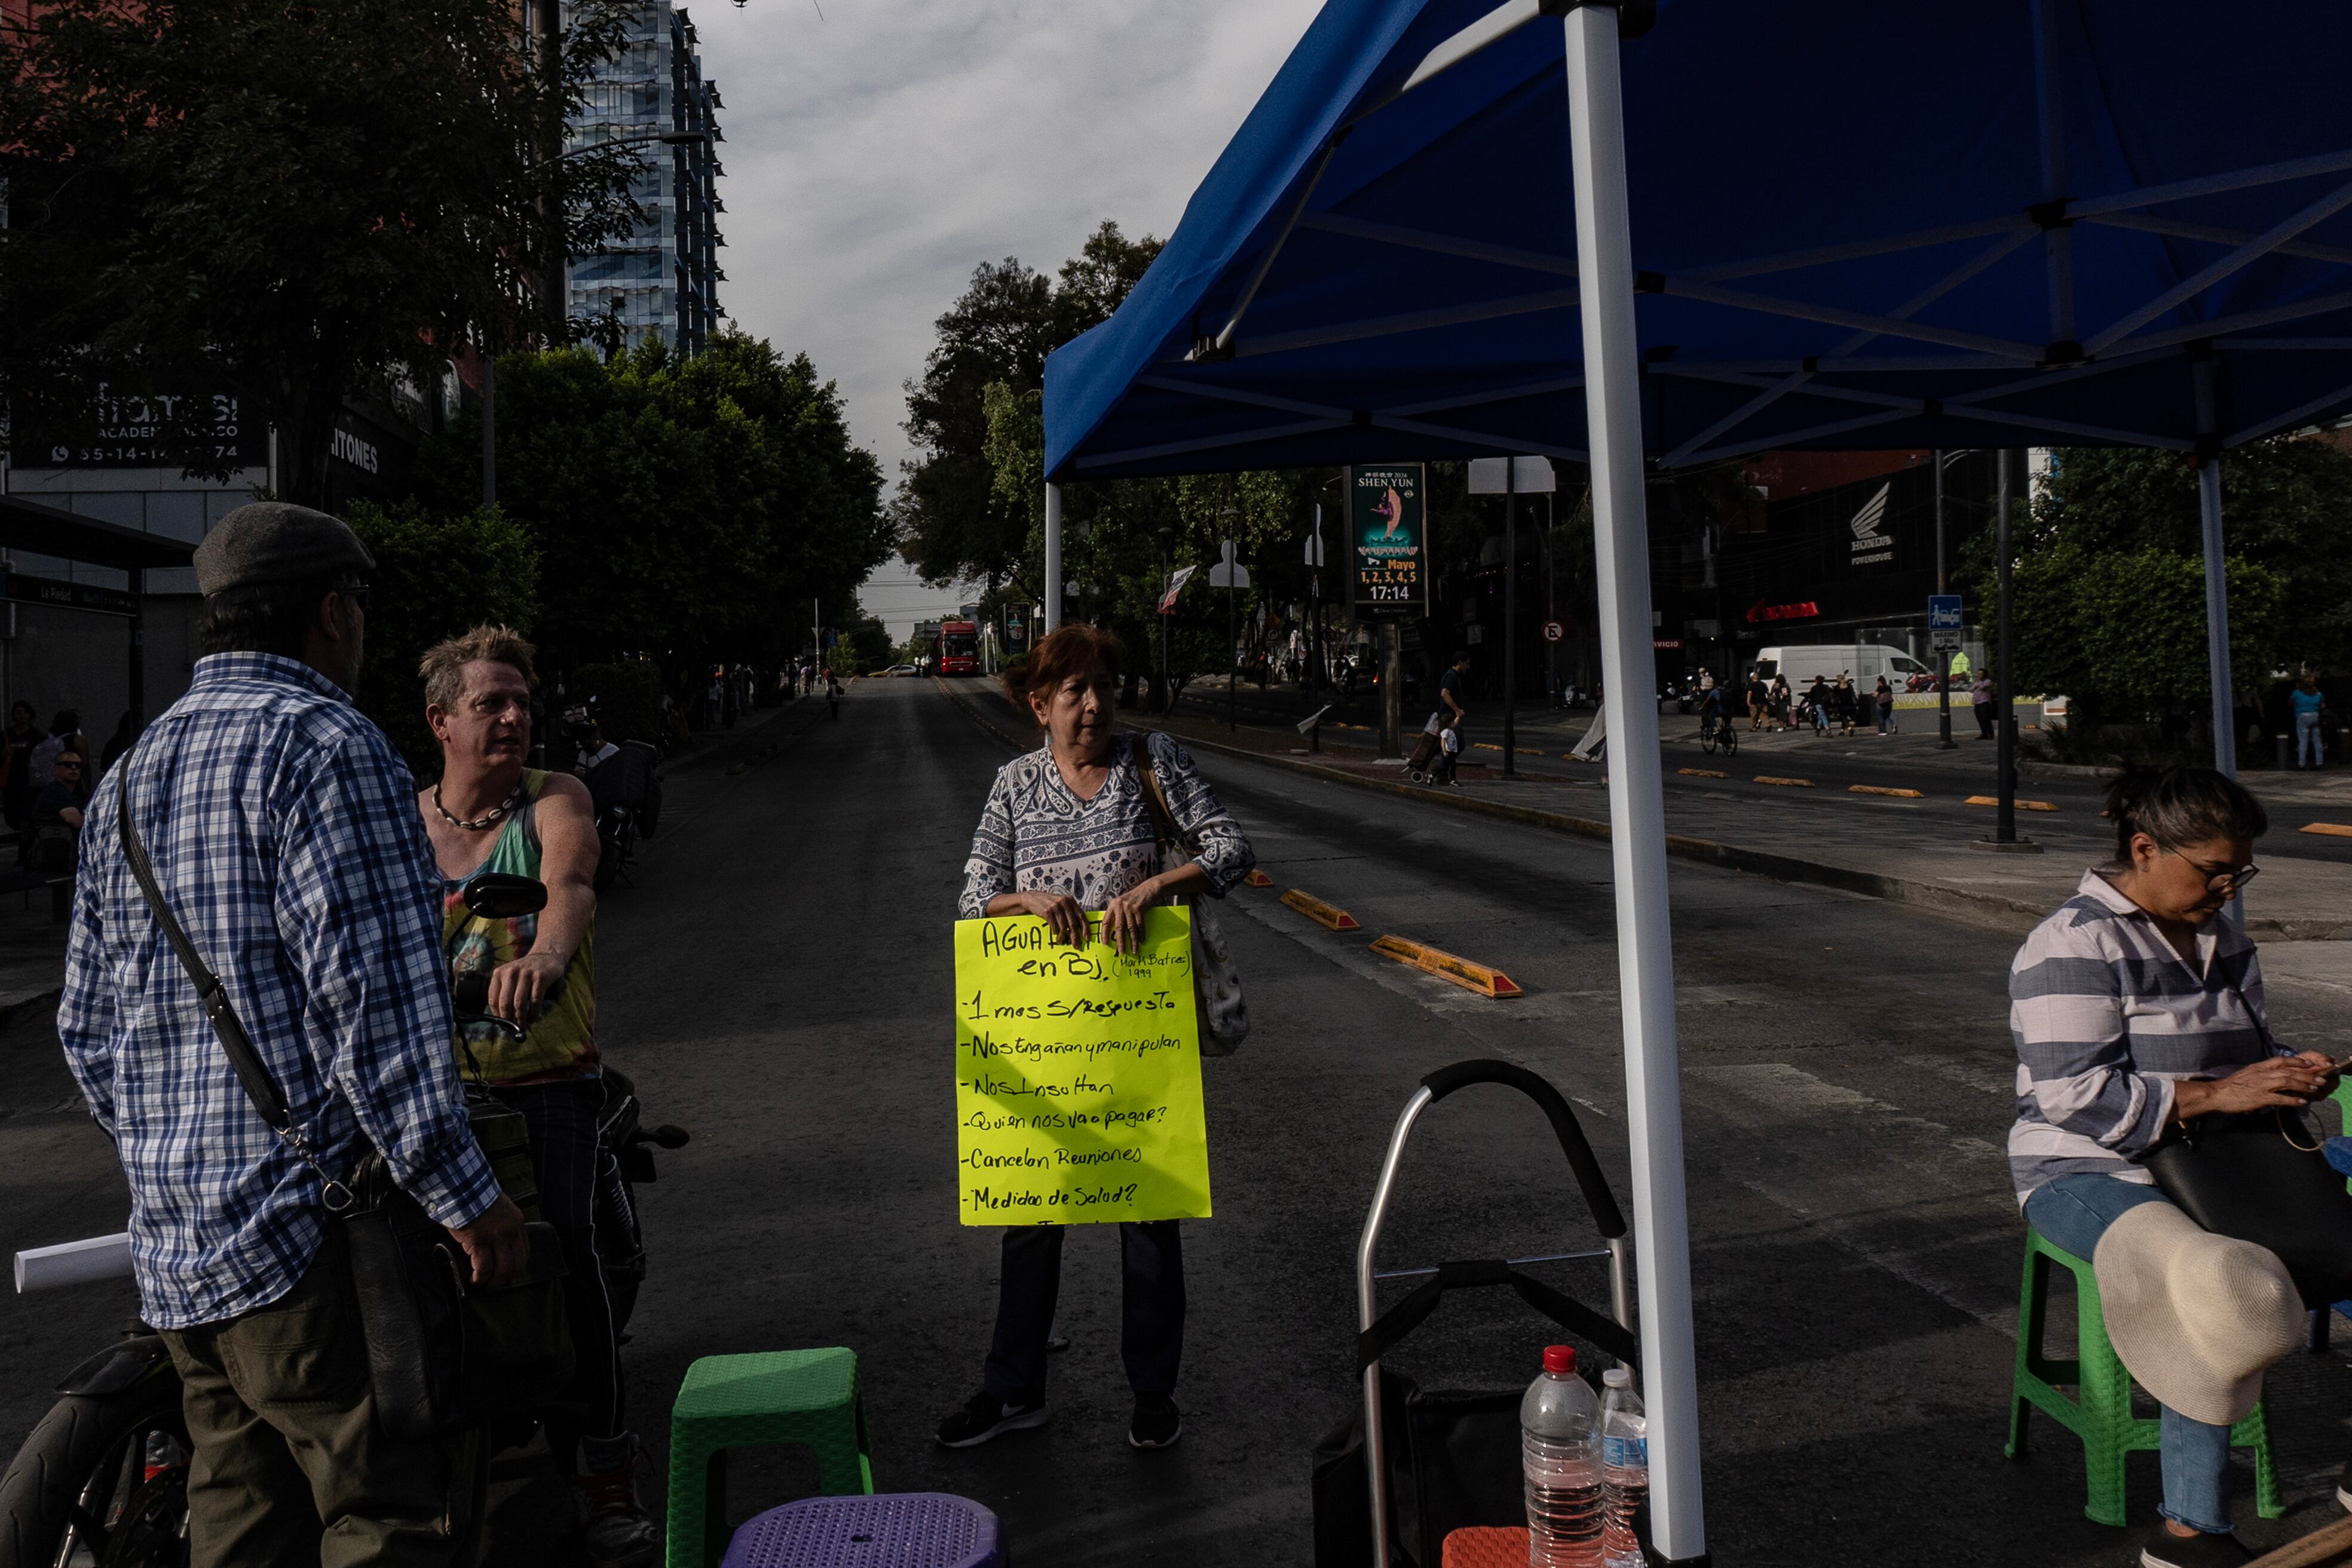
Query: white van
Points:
[1798, 662]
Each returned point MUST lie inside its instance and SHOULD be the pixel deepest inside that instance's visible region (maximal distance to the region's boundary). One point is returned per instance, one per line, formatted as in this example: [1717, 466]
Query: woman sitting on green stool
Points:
[2135, 1007]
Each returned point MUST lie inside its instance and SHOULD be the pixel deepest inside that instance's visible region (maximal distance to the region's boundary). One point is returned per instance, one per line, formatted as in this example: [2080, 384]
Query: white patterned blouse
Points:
[1035, 835]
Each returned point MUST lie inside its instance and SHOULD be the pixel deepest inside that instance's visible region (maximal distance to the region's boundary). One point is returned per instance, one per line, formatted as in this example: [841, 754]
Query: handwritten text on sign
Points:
[1077, 1076]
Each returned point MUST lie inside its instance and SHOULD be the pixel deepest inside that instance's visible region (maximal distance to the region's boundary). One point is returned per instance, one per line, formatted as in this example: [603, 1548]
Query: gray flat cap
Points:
[272, 542]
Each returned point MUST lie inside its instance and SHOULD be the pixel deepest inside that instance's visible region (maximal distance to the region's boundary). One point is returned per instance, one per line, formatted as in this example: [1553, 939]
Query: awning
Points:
[45, 530]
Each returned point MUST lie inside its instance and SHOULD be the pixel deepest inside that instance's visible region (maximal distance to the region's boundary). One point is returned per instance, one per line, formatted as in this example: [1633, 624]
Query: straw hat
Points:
[2195, 1317]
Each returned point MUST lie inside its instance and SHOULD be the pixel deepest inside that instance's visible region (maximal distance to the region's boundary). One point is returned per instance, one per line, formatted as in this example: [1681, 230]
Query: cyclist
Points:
[489, 813]
[1710, 712]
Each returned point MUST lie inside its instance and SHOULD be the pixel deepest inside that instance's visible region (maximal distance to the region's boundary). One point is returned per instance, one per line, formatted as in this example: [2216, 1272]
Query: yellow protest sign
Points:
[1077, 1076]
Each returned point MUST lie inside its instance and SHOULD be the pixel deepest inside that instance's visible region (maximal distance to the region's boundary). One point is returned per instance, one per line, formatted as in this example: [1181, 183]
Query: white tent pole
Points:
[2217, 577]
[1637, 839]
[1052, 558]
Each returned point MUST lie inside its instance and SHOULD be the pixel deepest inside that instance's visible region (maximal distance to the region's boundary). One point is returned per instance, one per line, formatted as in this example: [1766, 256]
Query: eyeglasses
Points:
[2224, 879]
[357, 593]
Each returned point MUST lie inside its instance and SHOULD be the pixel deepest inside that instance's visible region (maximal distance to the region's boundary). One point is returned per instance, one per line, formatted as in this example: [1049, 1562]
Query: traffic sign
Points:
[1944, 622]
[1554, 632]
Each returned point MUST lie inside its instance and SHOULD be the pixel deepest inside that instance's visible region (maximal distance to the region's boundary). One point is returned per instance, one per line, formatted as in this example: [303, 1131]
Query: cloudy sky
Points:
[877, 152]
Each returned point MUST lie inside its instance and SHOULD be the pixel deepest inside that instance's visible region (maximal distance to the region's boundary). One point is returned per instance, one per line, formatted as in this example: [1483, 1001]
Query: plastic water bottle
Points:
[1560, 1444]
[1625, 1468]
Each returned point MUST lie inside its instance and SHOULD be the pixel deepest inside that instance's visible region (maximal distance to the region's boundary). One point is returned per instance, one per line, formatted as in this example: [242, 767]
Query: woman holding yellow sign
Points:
[1070, 829]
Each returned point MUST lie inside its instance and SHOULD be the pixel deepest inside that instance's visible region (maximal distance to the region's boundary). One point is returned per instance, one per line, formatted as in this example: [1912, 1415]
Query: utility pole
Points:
[2005, 677]
[490, 426]
[547, 22]
[1943, 656]
[1511, 615]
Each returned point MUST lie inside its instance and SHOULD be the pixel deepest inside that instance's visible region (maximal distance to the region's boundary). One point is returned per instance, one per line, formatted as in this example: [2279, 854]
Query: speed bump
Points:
[1790, 784]
[1703, 772]
[2336, 829]
[2021, 805]
[1258, 879]
[1881, 789]
[1321, 913]
[1470, 976]
[1486, 745]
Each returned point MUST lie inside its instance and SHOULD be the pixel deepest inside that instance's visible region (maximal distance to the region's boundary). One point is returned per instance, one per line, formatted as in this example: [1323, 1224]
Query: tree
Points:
[2122, 632]
[436, 574]
[688, 508]
[281, 204]
[2284, 505]
[953, 516]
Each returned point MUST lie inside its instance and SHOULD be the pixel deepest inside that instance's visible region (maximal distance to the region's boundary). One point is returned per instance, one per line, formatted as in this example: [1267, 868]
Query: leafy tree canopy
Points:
[282, 203]
[955, 521]
[686, 507]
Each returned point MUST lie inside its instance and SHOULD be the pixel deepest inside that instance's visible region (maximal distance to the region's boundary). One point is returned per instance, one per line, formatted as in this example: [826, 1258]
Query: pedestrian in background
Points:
[126, 732]
[1068, 829]
[1885, 695]
[57, 817]
[1759, 700]
[1841, 701]
[65, 735]
[1817, 704]
[2308, 700]
[282, 829]
[1981, 699]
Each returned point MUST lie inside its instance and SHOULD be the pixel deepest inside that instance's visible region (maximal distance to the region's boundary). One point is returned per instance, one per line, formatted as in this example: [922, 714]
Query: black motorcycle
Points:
[102, 1482]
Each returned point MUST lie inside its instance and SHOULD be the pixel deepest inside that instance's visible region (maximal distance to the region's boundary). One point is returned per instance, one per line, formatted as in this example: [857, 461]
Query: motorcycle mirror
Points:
[670, 1137]
[503, 896]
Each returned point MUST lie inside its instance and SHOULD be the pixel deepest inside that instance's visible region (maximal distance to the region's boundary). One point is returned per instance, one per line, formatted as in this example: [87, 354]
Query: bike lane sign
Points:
[1944, 622]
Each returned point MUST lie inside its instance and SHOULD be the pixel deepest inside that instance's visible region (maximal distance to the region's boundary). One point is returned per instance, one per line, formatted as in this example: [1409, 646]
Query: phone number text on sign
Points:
[1077, 1076]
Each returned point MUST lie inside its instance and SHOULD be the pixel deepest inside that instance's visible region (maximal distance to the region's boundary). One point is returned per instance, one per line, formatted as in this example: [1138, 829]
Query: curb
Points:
[2014, 912]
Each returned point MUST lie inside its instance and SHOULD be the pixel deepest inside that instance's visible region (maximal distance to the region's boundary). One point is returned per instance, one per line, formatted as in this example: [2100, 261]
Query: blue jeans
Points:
[2074, 1212]
[2306, 738]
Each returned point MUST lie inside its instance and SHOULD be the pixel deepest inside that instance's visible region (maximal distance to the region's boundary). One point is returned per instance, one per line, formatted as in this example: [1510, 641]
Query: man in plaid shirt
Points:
[284, 835]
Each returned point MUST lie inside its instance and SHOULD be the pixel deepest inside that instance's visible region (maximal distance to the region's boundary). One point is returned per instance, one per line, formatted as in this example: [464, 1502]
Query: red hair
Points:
[1075, 650]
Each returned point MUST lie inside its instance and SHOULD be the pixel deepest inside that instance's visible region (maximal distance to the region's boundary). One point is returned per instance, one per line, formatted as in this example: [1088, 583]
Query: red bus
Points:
[958, 648]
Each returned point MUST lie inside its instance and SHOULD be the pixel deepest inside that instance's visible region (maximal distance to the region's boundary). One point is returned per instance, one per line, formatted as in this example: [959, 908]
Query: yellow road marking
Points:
[2021, 805]
[1791, 784]
[1704, 772]
[2335, 829]
[1881, 789]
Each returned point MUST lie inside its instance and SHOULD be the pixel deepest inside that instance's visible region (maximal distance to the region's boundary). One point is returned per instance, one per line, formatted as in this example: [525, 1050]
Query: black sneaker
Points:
[984, 1416]
[1157, 1423]
[2165, 1549]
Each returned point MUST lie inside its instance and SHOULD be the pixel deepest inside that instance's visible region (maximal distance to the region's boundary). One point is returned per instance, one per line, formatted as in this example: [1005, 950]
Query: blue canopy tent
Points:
[1453, 229]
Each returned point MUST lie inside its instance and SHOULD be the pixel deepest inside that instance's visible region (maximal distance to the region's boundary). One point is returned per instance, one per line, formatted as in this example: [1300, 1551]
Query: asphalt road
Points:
[779, 980]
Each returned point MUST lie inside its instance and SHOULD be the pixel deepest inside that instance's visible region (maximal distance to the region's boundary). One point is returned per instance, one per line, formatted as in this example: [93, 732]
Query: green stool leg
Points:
[685, 1536]
[714, 1509]
[2254, 1432]
[2032, 1308]
[2107, 1403]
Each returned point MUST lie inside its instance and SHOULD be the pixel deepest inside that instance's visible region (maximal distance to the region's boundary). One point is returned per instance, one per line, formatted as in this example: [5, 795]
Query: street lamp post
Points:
[1943, 656]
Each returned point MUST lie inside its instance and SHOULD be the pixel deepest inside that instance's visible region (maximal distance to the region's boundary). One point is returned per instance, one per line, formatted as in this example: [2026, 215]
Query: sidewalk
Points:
[2299, 900]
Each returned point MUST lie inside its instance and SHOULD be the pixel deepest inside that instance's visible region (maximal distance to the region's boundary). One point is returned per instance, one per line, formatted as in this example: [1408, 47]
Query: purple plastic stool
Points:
[894, 1530]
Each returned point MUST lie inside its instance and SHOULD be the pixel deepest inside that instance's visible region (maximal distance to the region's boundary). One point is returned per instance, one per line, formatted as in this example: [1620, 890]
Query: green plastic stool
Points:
[2102, 1415]
[761, 1400]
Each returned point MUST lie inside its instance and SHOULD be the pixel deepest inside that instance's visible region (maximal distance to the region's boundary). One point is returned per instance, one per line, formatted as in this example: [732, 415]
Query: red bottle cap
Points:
[1559, 1360]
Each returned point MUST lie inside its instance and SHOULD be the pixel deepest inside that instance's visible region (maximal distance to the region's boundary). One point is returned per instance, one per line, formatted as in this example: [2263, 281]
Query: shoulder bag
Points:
[1216, 984]
[2262, 1177]
[442, 1355]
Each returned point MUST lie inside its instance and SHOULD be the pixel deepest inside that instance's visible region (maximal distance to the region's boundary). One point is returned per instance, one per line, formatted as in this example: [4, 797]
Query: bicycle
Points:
[1718, 733]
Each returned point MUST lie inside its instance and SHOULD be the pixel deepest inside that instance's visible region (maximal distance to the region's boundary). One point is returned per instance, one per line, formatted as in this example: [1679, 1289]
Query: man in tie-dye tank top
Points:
[491, 813]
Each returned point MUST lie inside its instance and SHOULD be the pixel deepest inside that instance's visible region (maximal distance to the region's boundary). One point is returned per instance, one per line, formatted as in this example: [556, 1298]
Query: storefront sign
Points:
[164, 431]
[25, 590]
[1387, 541]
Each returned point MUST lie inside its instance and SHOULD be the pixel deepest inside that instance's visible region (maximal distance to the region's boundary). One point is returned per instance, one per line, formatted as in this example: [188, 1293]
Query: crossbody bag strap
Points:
[213, 996]
[1164, 821]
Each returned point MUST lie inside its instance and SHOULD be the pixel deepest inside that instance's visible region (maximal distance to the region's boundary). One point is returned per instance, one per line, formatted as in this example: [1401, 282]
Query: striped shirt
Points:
[284, 833]
[1035, 835]
[2105, 1016]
